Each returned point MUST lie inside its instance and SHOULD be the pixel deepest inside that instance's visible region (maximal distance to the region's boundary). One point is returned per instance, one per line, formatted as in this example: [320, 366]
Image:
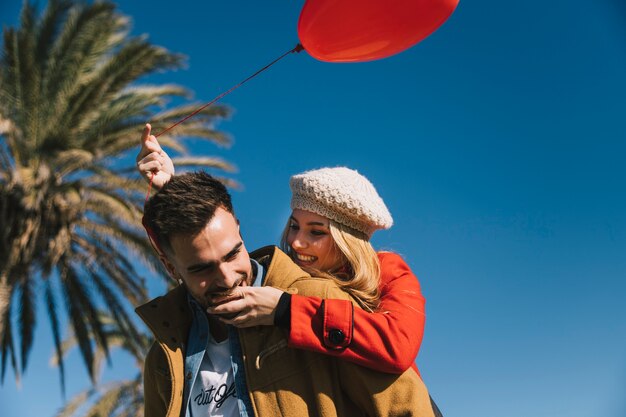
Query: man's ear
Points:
[170, 268]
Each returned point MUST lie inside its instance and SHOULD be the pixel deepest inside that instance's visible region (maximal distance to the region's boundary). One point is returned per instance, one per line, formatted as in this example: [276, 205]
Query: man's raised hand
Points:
[153, 162]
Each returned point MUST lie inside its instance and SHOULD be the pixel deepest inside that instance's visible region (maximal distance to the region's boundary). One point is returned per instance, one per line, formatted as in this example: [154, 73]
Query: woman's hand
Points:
[254, 307]
[152, 161]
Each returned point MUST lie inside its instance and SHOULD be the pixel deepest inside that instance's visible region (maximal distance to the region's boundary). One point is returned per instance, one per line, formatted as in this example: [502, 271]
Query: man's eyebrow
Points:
[211, 264]
[233, 251]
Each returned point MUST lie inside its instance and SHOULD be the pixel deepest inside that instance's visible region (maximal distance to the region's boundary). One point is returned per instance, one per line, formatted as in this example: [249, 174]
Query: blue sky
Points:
[499, 145]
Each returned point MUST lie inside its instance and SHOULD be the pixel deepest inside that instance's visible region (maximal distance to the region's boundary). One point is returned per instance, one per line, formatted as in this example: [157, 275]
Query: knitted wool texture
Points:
[343, 195]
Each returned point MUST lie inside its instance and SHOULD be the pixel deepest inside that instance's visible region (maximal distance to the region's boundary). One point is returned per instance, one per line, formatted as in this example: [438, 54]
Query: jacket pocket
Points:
[273, 361]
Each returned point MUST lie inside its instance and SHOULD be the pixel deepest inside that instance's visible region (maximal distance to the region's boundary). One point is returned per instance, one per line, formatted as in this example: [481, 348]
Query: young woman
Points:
[335, 212]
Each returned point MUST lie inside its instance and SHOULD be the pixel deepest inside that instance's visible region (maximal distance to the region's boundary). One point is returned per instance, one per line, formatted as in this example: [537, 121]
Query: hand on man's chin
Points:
[219, 298]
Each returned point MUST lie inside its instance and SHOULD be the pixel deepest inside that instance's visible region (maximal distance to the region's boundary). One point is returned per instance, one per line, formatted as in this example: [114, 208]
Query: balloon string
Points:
[151, 235]
[297, 49]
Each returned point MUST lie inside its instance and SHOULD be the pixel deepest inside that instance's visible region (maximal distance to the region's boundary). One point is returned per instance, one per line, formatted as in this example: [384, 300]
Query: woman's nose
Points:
[299, 242]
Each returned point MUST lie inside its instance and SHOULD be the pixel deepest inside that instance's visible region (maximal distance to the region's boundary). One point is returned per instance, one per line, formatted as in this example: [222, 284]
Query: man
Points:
[197, 366]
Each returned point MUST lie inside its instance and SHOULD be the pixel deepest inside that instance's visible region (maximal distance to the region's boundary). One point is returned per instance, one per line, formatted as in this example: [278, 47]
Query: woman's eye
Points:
[318, 232]
[293, 227]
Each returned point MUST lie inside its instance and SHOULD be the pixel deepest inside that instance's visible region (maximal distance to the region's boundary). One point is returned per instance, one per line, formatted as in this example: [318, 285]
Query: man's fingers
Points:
[146, 133]
[152, 166]
[231, 295]
[154, 156]
[149, 159]
[228, 307]
[149, 143]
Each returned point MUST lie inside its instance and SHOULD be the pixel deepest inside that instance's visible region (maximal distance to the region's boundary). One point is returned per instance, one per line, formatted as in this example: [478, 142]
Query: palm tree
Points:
[71, 113]
[116, 399]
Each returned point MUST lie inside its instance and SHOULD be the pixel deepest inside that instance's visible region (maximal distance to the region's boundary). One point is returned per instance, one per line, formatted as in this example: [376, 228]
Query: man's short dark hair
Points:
[184, 205]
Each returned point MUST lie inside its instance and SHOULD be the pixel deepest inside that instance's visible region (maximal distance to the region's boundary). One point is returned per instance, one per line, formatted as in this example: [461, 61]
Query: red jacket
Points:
[387, 340]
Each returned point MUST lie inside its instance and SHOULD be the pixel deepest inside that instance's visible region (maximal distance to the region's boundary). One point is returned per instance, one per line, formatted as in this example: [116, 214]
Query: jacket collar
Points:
[168, 316]
[282, 272]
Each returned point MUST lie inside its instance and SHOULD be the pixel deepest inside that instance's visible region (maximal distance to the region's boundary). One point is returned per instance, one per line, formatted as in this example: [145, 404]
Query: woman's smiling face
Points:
[311, 242]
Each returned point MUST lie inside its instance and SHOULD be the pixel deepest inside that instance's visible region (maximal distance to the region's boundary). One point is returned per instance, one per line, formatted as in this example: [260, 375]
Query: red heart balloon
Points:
[365, 30]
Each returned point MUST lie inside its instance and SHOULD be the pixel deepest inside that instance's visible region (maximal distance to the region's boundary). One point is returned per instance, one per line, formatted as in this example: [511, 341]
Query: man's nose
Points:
[228, 277]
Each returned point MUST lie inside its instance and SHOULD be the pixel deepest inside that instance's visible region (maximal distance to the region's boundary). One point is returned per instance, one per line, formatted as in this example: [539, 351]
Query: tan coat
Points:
[281, 381]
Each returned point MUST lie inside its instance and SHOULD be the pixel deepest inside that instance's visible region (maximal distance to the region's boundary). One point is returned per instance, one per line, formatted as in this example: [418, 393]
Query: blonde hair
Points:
[362, 278]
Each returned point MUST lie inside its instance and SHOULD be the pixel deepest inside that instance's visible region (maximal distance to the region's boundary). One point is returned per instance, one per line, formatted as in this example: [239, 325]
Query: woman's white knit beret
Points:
[343, 195]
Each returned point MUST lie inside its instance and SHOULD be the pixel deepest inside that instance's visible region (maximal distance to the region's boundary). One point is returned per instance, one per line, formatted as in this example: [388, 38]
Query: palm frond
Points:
[100, 251]
[103, 202]
[73, 296]
[8, 348]
[69, 55]
[129, 337]
[89, 307]
[51, 306]
[108, 402]
[71, 114]
[27, 318]
[48, 28]
[118, 398]
[216, 163]
[72, 160]
[76, 403]
[29, 72]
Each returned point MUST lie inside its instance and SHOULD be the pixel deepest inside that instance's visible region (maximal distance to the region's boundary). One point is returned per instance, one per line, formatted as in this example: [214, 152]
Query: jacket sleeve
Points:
[387, 340]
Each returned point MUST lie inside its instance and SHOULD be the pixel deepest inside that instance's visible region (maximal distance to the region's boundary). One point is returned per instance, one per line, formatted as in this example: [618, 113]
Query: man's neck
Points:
[218, 330]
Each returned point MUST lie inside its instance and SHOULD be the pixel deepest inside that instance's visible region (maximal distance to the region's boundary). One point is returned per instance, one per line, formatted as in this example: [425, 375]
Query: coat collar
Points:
[282, 272]
[168, 316]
